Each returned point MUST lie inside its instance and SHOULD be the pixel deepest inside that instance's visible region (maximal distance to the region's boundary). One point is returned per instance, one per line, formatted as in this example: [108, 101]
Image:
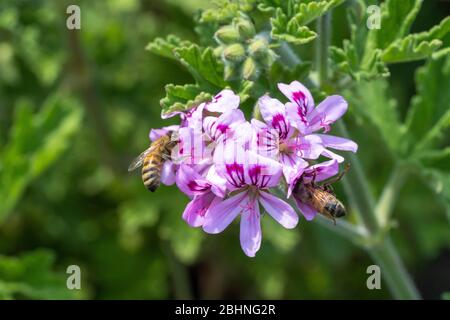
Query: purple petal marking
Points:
[235, 174]
[281, 211]
[219, 216]
[250, 233]
[299, 94]
[195, 211]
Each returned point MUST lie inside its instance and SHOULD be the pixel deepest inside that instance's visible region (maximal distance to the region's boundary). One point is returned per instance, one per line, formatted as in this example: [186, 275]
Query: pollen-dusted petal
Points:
[250, 230]
[223, 101]
[281, 211]
[219, 216]
[338, 142]
[308, 212]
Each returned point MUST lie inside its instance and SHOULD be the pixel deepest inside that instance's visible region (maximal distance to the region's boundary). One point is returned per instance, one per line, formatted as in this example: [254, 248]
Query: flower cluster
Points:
[228, 165]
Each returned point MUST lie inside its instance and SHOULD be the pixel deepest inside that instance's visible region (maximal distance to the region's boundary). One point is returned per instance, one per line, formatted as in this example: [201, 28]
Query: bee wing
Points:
[137, 162]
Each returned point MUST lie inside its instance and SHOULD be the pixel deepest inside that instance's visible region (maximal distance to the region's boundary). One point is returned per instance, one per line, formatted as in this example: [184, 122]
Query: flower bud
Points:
[257, 47]
[245, 27]
[218, 51]
[249, 69]
[227, 34]
[228, 72]
[234, 52]
[267, 58]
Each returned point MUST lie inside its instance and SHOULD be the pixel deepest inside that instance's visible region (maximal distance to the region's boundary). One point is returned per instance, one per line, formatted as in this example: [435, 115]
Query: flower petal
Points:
[218, 183]
[330, 154]
[190, 182]
[219, 216]
[168, 173]
[223, 101]
[195, 211]
[250, 231]
[298, 94]
[309, 147]
[158, 133]
[215, 127]
[338, 142]
[261, 171]
[308, 212]
[322, 171]
[274, 113]
[279, 210]
[327, 112]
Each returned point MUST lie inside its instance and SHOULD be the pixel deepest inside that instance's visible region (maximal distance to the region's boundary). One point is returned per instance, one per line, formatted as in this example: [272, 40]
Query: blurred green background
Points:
[76, 107]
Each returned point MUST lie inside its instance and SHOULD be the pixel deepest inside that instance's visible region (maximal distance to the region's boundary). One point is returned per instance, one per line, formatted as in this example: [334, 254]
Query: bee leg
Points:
[339, 176]
[313, 180]
[334, 221]
[328, 188]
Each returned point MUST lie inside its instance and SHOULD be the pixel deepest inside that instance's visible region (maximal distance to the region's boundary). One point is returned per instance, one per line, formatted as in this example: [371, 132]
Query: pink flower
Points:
[308, 119]
[248, 176]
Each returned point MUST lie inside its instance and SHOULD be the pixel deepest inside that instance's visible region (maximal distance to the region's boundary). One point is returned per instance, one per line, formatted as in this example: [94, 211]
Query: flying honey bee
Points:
[321, 197]
[152, 160]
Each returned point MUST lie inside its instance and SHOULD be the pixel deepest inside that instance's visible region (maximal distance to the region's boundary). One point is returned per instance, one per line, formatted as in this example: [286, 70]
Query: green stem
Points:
[322, 47]
[386, 202]
[381, 249]
[393, 270]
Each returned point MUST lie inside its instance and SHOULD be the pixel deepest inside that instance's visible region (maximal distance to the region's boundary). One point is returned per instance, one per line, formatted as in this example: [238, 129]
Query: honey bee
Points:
[152, 160]
[321, 197]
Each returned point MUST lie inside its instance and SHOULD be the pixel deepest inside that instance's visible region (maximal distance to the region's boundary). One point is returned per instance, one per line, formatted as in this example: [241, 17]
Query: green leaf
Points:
[438, 159]
[429, 114]
[354, 58]
[290, 24]
[348, 61]
[31, 276]
[36, 142]
[305, 13]
[420, 45]
[181, 98]
[439, 182]
[371, 99]
[290, 30]
[396, 20]
[166, 47]
[206, 69]
[225, 10]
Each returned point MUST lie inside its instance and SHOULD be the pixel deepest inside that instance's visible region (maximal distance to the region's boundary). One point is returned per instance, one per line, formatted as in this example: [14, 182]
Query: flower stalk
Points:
[382, 249]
